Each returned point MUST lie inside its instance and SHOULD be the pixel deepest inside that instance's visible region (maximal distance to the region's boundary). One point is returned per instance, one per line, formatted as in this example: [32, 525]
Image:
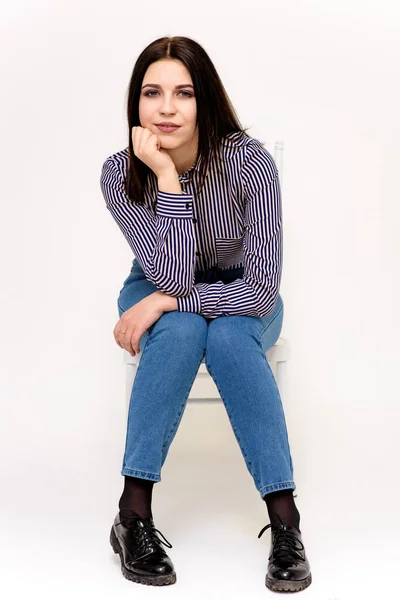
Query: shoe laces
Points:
[285, 542]
[146, 534]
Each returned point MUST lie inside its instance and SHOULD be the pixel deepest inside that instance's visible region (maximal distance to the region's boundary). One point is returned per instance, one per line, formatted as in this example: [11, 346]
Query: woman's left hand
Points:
[136, 320]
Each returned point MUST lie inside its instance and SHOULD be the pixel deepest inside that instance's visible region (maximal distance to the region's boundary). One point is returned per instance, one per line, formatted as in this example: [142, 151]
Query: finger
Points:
[137, 139]
[135, 341]
[154, 142]
[126, 342]
[120, 326]
[118, 341]
[145, 134]
[136, 134]
[134, 138]
[119, 336]
[133, 344]
[122, 344]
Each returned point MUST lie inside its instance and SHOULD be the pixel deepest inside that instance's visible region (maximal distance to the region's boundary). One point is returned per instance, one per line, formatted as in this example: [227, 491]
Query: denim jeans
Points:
[234, 348]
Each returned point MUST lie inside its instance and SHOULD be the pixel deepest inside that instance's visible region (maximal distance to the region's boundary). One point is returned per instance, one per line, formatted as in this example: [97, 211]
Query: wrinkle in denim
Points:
[234, 348]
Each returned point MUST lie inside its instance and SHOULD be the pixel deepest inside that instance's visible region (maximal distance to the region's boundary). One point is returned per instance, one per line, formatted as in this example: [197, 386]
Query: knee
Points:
[231, 335]
[180, 329]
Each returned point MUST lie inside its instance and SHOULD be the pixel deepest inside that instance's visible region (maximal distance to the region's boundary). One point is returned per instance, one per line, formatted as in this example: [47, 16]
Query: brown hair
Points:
[216, 116]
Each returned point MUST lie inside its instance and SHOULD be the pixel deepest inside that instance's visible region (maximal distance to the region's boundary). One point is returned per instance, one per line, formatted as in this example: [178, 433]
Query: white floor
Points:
[55, 530]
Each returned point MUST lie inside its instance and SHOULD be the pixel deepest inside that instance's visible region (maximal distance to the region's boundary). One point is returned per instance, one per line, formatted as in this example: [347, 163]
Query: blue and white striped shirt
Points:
[235, 221]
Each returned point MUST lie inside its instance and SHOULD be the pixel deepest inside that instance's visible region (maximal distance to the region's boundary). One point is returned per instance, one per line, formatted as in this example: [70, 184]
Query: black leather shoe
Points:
[143, 559]
[288, 567]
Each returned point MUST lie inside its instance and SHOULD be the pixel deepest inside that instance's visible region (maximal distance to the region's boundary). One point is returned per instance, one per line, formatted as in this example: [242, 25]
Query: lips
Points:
[168, 128]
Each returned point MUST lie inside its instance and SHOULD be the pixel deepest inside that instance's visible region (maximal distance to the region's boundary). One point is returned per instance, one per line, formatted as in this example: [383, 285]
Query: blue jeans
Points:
[234, 348]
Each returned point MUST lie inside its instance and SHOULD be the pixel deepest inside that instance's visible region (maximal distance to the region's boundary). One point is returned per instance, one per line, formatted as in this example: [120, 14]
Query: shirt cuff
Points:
[190, 303]
[174, 205]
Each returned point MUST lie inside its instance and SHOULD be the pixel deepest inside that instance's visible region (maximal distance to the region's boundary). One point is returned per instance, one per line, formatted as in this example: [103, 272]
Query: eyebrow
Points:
[177, 87]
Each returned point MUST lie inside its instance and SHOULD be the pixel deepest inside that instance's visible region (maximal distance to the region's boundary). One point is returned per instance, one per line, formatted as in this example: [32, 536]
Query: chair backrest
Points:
[278, 157]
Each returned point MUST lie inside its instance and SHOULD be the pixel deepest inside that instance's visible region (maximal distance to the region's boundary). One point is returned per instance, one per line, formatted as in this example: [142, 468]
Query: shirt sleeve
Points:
[256, 294]
[164, 242]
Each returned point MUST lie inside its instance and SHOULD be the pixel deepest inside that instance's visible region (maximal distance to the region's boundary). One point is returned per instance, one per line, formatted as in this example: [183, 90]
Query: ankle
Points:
[281, 508]
[292, 520]
[138, 508]
[137, 496]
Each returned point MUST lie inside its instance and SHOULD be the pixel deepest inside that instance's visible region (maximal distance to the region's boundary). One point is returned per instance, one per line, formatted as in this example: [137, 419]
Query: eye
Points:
[151, 92]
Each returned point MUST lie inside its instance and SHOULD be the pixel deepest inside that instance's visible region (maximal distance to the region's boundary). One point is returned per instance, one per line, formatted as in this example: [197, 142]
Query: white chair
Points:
[204, 387]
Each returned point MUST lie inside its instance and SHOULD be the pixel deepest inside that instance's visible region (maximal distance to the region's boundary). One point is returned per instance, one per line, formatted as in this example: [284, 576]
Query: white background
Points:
[324, 78]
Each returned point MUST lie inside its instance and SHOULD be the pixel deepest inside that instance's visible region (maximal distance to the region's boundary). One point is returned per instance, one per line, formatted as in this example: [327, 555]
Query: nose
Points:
[167, 105]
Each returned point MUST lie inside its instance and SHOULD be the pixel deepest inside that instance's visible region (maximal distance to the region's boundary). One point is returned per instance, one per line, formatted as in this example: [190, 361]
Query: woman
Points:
[198, 200]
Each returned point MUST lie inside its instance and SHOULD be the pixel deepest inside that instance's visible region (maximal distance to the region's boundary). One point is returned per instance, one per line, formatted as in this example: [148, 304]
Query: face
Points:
[169, 98]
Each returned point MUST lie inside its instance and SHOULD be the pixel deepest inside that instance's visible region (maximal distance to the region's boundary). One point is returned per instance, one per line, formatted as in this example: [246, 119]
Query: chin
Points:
[168, 143]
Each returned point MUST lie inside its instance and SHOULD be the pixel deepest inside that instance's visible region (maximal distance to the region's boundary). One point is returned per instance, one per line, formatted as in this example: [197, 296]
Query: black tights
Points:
[137, 496]
[281, 504]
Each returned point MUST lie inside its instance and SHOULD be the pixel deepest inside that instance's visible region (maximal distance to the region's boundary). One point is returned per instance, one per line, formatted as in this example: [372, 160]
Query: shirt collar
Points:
[185, 175]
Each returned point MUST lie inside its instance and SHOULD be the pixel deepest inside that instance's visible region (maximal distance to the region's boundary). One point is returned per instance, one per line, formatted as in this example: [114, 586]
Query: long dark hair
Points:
[216, 116]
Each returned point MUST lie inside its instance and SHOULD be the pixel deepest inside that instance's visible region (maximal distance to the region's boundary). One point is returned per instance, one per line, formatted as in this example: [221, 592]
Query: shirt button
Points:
[187, 205]
[198, 253]
[194, 220]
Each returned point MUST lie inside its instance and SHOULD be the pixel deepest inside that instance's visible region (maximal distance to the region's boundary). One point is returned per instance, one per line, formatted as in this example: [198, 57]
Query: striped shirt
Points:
[234, 221]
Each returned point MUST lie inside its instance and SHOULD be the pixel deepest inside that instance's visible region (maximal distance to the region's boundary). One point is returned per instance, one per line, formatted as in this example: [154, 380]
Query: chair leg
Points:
[280, 377]
[130, 377]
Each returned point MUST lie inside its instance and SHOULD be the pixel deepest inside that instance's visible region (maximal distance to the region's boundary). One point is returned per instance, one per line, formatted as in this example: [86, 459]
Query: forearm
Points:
[168, 182]
[158, 239]
[167, 303]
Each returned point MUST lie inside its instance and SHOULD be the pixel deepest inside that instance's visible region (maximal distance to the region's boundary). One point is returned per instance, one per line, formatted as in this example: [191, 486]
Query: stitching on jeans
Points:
[137, 371]
[175, 425]
[248, 462]
[277, 485]
[290, 481]
[140, 471]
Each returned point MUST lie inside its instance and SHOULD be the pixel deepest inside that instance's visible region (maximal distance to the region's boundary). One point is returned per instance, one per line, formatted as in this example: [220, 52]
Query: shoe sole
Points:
[278, 585]
[146, 580]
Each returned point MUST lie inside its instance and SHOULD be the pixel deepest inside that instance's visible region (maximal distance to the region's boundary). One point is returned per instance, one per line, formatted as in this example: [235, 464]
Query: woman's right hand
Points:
[147, 147]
